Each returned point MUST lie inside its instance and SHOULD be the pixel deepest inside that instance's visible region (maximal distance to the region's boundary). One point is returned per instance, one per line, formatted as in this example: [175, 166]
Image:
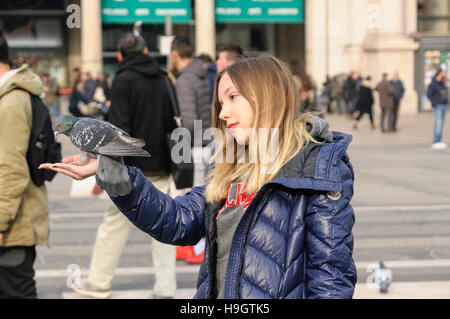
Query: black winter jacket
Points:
[140, 105]
[365, 99]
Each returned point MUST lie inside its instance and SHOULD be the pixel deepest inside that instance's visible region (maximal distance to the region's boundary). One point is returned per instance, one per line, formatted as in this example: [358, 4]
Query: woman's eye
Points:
[232, 96]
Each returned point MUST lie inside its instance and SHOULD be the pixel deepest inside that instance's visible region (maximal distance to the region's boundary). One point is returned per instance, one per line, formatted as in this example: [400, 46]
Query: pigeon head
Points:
[63, 125]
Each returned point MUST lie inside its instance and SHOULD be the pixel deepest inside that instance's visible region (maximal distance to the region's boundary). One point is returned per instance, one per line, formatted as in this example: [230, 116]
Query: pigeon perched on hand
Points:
[107, 142]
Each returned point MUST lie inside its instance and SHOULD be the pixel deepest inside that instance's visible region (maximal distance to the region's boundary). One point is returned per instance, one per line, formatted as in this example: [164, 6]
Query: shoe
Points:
[355, 125]
[439, 146]
[184, 252]
[90, 290]
[196, 259]
[373, 127]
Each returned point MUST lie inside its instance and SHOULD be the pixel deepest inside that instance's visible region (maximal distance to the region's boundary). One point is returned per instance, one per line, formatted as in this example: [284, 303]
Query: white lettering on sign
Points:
[142, 12]
[171, 12]
[254, 11]
[282, 11]
[229, 11]
[115, 12]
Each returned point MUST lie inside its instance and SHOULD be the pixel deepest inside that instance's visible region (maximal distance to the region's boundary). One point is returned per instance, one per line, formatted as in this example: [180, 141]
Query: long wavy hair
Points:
[267, 84]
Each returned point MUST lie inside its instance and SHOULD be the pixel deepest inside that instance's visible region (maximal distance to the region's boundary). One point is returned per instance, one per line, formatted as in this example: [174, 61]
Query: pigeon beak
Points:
[56, 135]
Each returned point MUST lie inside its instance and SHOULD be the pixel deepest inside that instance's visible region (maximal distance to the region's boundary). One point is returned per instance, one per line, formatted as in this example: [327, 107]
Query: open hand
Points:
[72, 167]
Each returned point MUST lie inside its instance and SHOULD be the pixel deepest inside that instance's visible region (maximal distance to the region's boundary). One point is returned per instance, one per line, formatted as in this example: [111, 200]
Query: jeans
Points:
[387, 119]
[439, 117]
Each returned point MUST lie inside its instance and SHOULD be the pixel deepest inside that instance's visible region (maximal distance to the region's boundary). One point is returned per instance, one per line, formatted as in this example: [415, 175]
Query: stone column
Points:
[205, 28]
[91, 37]
[388, 49]
[316, 38]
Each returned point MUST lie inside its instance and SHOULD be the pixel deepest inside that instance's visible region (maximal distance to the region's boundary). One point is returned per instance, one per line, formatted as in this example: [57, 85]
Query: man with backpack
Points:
[24, 221]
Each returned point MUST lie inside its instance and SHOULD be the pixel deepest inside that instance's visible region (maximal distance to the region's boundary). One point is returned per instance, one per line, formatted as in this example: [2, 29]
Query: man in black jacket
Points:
[140, 105]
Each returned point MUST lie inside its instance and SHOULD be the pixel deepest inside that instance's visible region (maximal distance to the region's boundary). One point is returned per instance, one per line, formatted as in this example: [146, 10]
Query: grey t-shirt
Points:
[227, 220]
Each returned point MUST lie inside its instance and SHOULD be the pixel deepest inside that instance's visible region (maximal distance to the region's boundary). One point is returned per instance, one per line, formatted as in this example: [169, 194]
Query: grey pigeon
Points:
[383, 276]
[106, 141]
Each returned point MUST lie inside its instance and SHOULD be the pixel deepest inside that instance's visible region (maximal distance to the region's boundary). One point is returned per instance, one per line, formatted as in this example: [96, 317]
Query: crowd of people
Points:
[352, 95]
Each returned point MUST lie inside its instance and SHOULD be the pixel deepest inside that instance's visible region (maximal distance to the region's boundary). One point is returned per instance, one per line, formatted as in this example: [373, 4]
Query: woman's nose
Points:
[224, 113]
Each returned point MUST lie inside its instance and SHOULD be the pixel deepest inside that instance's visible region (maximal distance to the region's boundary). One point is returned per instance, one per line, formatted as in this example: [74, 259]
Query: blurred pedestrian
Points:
[337, 92]
[89, 85]
[386, 93]
[193, 93]
[78, 101]
[51, 93]
[304, 85]
[228, 53]
[140, 105]
[103, 81]
[24, 221]
[211, 71]
[398, 95]
[437, 93]
[272, 234]
[365, 102]
[326, 94]
[352, 86]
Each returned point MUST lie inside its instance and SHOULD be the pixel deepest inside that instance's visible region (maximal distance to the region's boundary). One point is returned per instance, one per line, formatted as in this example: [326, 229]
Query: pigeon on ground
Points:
[109, 143]
[383, 276]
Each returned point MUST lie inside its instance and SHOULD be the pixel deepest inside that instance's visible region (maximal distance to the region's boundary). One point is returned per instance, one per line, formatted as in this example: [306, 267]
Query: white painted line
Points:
[406, 290]
[194, 269]
[186, 293]
[397, 290]
[401, 208]
[126, 271]
[358, 209]
[417, 263]
[75, 215]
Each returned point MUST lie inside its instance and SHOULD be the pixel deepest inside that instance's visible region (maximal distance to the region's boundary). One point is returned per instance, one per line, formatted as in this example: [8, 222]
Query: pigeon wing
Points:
[89, 135]
[125, 136]
[120, 147]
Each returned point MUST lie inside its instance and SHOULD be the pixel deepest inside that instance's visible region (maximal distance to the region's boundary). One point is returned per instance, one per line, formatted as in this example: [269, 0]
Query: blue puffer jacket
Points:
[294, 240]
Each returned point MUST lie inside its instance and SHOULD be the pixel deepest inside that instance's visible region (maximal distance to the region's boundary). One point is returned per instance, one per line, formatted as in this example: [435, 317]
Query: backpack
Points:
[42, 148]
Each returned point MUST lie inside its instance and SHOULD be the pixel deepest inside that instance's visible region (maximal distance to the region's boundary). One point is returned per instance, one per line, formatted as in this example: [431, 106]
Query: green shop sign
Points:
[148, 11]
[259, 11]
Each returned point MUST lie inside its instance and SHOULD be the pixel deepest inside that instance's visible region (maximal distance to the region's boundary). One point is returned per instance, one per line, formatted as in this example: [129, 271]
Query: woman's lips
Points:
[230, 126]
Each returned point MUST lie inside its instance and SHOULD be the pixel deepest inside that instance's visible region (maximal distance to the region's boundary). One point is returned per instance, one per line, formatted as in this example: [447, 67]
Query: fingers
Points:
[71, 159]
[61, 170]
[65, 169]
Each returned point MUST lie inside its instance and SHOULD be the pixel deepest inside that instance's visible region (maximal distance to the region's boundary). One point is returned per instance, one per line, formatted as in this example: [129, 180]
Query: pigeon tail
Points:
[112, 176]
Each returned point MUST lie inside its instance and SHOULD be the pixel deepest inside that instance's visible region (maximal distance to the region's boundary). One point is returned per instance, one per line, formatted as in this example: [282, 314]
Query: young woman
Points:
[285, 232]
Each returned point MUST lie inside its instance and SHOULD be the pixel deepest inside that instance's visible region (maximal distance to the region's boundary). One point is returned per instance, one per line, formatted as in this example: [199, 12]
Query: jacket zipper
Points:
[247, 231]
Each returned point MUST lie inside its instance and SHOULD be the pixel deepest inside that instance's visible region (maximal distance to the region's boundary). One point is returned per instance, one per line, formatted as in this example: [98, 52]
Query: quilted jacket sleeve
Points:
[178, 221]
[330, 269]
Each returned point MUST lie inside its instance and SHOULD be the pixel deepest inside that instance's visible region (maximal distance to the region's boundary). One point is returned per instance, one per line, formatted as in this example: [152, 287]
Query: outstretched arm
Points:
[178, 221]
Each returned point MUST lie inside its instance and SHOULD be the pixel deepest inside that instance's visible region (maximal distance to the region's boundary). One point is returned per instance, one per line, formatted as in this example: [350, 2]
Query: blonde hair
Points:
[267, 84]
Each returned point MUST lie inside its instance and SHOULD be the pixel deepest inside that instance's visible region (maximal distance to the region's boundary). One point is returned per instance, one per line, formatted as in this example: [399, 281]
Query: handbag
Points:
[182, 173]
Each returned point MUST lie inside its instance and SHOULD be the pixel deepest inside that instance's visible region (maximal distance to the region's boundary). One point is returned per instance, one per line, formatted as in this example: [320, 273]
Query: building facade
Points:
[410, 37]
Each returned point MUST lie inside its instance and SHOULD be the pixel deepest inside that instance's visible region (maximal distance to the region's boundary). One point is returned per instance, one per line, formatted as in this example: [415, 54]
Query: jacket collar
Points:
[317, 166]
